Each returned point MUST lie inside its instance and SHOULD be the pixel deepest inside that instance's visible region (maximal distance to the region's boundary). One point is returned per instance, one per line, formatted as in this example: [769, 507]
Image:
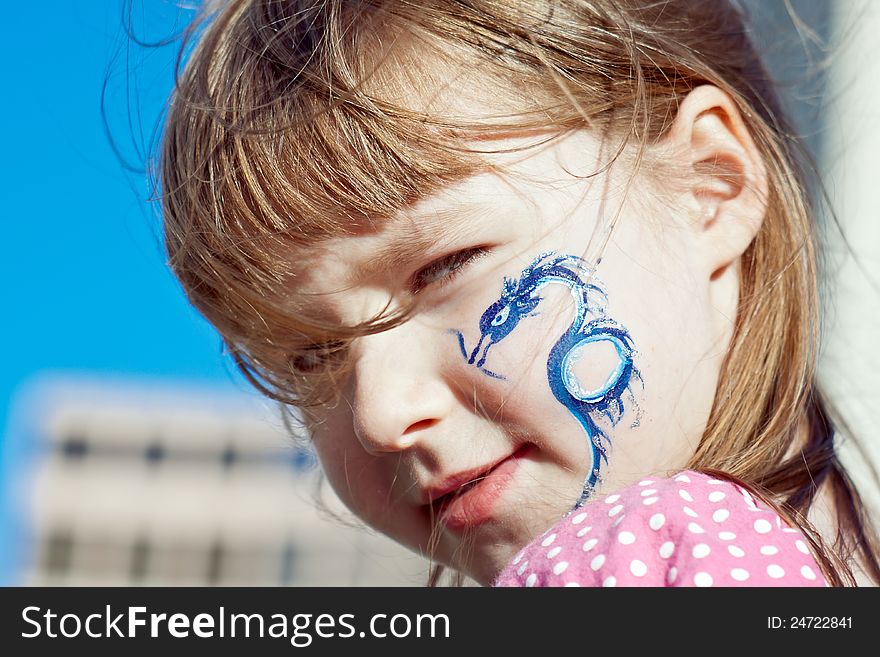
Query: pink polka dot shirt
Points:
[687, 530]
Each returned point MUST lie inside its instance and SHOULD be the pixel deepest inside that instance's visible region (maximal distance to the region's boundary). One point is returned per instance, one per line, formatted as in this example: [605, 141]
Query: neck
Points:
[823, 514]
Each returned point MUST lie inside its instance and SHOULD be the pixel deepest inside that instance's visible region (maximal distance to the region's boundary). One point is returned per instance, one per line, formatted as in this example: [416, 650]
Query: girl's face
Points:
[530, 378]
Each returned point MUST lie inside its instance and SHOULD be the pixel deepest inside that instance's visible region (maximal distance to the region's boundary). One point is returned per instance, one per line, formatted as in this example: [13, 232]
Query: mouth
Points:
[473, 502]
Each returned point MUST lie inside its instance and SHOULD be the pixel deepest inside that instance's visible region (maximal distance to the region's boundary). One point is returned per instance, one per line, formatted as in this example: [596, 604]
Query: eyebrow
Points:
[419, 234]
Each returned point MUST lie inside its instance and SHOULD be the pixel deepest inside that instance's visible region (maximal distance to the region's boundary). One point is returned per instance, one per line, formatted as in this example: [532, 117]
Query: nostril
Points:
[420, 425]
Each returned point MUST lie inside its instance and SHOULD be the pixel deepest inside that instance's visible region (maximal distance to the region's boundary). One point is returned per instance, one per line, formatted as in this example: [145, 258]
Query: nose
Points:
[399, 392]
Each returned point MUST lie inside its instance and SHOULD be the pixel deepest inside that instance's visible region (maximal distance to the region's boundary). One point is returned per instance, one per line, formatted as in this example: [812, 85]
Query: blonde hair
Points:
[290, 125]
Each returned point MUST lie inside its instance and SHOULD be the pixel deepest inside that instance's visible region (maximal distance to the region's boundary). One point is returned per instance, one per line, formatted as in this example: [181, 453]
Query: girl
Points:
[519, 266]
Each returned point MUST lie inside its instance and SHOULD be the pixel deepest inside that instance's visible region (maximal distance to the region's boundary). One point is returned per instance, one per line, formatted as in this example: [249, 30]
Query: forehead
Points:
[342, 262]
[522, 174]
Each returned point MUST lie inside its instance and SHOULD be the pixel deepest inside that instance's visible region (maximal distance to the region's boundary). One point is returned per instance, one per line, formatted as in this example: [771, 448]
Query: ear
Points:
[727, 188]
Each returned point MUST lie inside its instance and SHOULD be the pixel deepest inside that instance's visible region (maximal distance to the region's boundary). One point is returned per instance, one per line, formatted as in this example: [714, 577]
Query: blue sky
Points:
[84, 284]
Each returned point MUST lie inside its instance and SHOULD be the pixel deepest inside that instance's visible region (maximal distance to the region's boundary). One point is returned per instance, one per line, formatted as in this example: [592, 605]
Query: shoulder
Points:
[684, 530]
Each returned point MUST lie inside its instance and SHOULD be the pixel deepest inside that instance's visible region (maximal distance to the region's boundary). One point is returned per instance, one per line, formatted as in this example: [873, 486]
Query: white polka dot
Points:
[762, 526]
[650, 501]
[667, 549]
[552, 553]
[775, 571]
[547, 541]
[703, 579]
[807, 572]
[779, 522]
[572, 584]
[626, 538]
[716, 496]
[739, 574]
[790, 530]
[687, 497]
[531, 579]
[597, 562]
[688, 511]
[584, 530]
[736, 551]
[694, 528]
[648, 492]
[720, 515]
[608, 582]
[683, 478]
[578, 519]
[671, 575]
[589, 545]
[559, 568]
[518, 558]
[522, 568]
[714, 482]
[769, 550]
[638, 568]
[611, 499]
[656, 521]
[726, 536]
[646, 482]
[800, 545]
[701, 550]
[618, 520]
[615, 510]
[750, 501]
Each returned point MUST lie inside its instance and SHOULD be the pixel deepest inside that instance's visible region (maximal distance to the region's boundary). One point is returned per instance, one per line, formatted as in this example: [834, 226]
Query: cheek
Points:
[370, 486]
[524, 402]
[662, 304]
[513, 377]
[523, 357]
[647, 349]
[334, 448]
[354, 474]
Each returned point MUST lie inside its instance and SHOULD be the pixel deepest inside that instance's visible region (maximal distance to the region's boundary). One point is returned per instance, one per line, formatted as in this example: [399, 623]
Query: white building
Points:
[122, 484]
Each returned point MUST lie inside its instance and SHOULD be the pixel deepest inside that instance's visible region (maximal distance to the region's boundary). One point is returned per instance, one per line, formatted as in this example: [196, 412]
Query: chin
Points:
[484, 569]
[483, 554]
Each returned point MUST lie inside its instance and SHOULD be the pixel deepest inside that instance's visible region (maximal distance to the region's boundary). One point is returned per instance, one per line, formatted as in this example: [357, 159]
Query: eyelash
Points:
[317, 358]
[454, 264]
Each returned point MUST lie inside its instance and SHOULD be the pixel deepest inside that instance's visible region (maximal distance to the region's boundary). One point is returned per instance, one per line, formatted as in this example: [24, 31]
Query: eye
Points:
[317, 358]
[443, 270]
[501, 317]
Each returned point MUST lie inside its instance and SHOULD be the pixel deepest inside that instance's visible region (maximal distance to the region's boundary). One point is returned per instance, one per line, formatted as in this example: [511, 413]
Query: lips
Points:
[453, 483]
[469, 498]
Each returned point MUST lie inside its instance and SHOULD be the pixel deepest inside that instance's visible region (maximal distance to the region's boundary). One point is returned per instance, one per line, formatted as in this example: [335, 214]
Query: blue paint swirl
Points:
[519, 299]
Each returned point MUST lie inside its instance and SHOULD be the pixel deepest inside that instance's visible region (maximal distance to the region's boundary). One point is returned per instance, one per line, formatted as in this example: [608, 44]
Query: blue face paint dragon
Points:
[519, 299]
